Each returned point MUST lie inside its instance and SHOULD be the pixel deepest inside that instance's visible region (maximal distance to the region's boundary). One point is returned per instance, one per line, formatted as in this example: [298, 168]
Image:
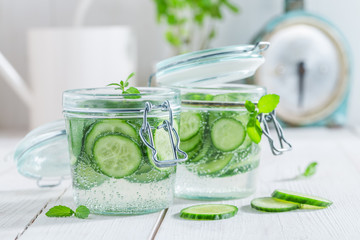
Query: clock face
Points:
[307, 67]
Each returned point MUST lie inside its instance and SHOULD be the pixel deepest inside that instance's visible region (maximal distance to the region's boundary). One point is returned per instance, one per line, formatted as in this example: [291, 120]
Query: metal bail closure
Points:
[284, 144]
[167, 125]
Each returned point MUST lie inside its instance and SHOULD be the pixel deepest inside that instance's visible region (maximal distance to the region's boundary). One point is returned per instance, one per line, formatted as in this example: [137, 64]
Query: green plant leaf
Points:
[231, 6]
[268, 103]
[113, 84]
[250, 106]
[130, 76]
[82, 212]
[59, 211]
[254, 130]
[172, 39]
[310, 170]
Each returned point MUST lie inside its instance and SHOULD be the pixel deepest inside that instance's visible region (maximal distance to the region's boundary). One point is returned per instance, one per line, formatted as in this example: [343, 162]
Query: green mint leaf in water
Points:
[59, 211]
[254, 130]
[310, 170]
[250, 106]
[82, 212]
[268, 103]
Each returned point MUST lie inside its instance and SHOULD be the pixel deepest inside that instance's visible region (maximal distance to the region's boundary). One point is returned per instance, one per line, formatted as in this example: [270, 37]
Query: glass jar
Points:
[112, 167]
[223, 160]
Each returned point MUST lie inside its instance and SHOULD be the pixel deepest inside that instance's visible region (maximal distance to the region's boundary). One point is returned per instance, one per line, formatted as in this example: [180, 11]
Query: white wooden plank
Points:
[337, 179]
[95, 227]
[21, 200]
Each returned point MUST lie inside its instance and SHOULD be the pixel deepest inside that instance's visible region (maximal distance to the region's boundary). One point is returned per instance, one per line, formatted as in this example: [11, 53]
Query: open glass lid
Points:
[43, 154]
[207, 66]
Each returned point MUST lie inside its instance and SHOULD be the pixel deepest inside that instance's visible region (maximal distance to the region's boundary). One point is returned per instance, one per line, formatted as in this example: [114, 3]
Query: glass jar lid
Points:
[207, 66]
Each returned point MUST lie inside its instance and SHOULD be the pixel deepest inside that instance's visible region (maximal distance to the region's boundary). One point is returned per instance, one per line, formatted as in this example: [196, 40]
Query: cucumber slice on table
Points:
[269, 204]
[301, 198]
[108, 126]
[117, 156]
[209, 212]
[227, 134]
[190, 125]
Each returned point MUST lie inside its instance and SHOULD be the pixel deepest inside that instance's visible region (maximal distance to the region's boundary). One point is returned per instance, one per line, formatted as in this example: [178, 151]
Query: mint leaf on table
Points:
[63, 211]
[268, 103]
[82, 212]
[310, 170]
[59, 211]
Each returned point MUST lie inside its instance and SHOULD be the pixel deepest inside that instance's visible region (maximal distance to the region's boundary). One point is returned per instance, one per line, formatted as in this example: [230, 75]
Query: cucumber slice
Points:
[147, 174]
[117, 156]
[190, 125]
[108, 126]
[203, 151]
[269, 204]
[162, 143]
[191, 144]
[301, 198]
[76, 133]
[227, 134]
[217, 163]
[209, 212]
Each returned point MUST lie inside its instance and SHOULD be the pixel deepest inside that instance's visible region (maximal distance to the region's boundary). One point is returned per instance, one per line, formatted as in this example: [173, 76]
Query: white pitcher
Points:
[67, 58]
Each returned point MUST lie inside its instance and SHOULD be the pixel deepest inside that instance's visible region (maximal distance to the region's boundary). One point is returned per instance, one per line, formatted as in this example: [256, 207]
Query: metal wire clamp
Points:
[146, 132]
[284, 144]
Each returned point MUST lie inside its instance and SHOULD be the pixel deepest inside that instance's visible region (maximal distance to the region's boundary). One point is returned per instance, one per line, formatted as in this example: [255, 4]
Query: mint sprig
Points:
[266, 104]
[63, 211]
[122, 85]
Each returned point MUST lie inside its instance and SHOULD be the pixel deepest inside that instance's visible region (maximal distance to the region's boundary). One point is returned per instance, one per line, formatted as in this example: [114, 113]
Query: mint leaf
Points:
[310, 170]
[114, 84]
[254, 130]
[59, 211]
[250, 106]
[130, 76]
[268, 103]
[132, 90]
[82, 212]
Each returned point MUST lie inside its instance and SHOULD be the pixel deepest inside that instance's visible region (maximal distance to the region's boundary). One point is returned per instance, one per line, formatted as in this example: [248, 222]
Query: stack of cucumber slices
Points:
[283, 200]
[112, 148]
[217, 143]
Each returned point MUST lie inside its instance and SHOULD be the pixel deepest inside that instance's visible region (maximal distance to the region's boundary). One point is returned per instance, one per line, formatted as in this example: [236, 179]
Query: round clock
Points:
[308, 65]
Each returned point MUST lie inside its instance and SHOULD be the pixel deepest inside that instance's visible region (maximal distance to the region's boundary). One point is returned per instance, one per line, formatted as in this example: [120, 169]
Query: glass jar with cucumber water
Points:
[123, 148]
[221, 123]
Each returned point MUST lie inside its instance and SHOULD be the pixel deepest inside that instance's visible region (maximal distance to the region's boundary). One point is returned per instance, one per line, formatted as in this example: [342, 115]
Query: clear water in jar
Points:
[223, 160]
[111, 170]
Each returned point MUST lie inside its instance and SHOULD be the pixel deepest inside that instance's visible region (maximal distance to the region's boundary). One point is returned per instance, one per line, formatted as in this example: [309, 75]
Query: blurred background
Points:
[123, 36]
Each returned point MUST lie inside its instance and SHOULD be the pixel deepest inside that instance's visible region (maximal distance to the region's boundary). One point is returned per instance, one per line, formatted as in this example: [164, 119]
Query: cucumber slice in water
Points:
[117, 156]
[76, 133]
[214, 165]
[147, 174]
[209, 212]
[191, 144]
[227, 134]
[301, 198]
[85, 176]
[108, 126]
[203, 151]
[269, 204]
[190, 125]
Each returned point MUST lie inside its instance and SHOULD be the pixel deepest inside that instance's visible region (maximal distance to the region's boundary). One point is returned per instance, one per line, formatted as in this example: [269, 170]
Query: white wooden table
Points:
[337, 151]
